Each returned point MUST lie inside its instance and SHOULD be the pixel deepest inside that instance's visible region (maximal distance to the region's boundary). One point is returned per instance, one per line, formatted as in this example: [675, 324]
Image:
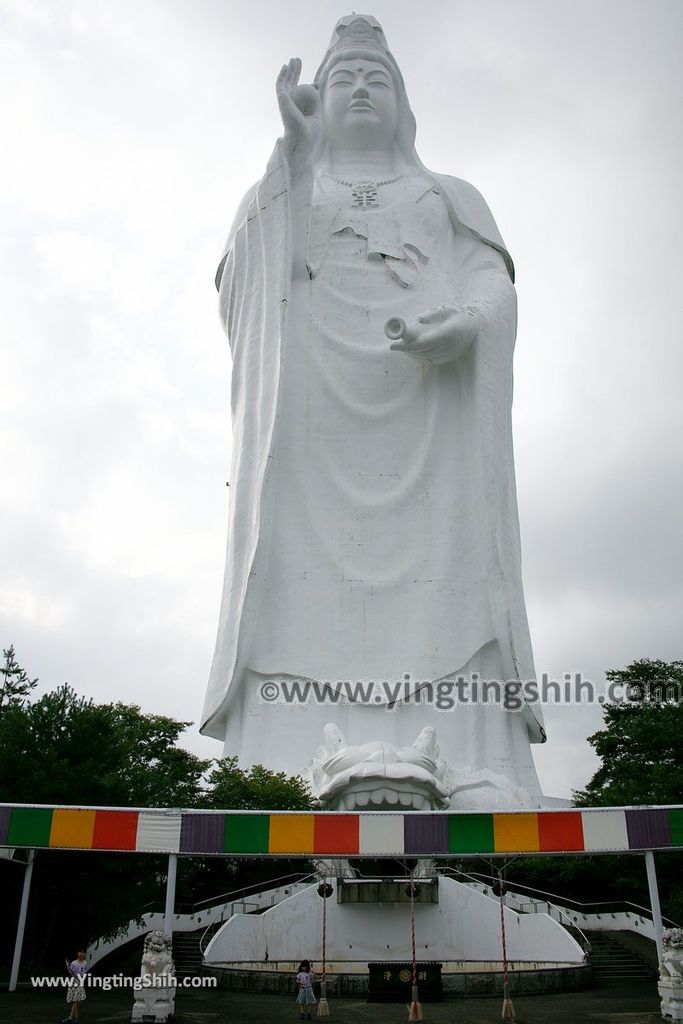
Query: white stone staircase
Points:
[190, 928]
[619, 936]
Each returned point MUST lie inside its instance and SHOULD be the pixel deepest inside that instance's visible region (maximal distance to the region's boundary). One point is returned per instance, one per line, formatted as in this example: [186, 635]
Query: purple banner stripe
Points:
[648, 829]
[4, 824]
[426, 833]
[202, 833]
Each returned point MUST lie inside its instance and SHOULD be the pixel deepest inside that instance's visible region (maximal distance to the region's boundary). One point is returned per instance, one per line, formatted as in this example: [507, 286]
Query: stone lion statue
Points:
[672, 959]
[155, 993]
[157, 956]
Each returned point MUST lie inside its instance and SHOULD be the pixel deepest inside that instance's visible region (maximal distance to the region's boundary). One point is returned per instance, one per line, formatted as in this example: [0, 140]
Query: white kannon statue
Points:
[373, 527]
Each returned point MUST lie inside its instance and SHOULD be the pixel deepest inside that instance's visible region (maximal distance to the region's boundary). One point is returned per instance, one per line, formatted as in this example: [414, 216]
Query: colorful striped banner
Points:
[343, 834]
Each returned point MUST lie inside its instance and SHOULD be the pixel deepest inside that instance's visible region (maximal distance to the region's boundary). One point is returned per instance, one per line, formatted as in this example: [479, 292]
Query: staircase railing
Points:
[232, 894]
[635, 917]
[230, 908]
[534, 906]
[155, 908]
[612, 907]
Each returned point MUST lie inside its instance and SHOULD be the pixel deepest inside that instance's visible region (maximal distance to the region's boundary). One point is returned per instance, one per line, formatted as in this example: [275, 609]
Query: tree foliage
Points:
[232, 787]
[255, 788]
[15, 685]
[641, 744]
[64, 749]
[641, 752]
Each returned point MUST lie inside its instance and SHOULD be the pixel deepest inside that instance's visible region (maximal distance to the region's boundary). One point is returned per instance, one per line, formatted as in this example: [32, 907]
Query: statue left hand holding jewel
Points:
[438, 336]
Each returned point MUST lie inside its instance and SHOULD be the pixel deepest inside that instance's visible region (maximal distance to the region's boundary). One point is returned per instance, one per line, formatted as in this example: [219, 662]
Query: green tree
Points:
[641, 752]
[64, 749]
[15, 685]
[641, 744]
[231, 787]
[255, 788]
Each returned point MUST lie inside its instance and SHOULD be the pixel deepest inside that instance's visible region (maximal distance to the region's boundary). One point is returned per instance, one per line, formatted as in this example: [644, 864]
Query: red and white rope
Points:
[324, 930]
[412, 929]
[502, 927]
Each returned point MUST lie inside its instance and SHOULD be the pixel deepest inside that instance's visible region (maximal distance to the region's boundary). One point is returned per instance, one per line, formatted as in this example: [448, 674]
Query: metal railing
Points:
[229, 909]
[236, 894]
[533, 906]
[191, 909]
[605, 907]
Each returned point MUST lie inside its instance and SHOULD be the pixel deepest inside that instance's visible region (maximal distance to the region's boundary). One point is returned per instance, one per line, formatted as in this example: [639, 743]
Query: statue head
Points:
[363, 97]
[672, 938]
[156, 942]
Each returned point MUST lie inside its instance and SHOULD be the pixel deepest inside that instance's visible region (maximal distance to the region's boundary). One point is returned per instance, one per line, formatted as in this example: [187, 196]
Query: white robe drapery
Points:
[254, 282]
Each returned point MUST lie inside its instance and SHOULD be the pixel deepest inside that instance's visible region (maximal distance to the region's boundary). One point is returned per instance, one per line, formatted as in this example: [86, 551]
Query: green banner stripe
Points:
[470, 833]
[29, 826]
[246, 833]
[676, 823]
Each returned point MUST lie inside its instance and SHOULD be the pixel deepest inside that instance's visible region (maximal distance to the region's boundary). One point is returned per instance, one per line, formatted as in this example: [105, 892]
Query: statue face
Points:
[360, 105]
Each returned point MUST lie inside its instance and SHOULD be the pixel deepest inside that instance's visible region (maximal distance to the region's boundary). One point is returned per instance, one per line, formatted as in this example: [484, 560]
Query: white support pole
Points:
[654, 901]
[170, 892]
[21, 924]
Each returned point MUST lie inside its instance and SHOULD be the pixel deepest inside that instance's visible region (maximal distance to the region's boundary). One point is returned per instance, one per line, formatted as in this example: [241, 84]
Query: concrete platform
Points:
[634, 1003]
[459, 928]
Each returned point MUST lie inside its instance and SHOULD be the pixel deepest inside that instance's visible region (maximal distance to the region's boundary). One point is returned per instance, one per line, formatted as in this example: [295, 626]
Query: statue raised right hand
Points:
[300, 111]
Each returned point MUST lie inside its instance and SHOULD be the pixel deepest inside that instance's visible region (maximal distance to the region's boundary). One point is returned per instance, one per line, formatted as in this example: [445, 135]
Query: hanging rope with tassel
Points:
[415, 1012]
[508, 1009]
[325, 890]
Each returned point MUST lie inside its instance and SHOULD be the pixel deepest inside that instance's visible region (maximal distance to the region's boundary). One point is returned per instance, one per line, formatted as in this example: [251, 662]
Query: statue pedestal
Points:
[154, 1004]
[671, 994]
[456, 926]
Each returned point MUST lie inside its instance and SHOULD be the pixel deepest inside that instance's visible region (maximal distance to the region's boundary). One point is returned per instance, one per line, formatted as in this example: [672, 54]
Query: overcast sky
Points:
[131, 129]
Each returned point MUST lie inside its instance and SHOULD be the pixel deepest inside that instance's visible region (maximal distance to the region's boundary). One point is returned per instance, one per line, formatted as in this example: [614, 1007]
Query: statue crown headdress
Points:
[358, 30]
[352, 33]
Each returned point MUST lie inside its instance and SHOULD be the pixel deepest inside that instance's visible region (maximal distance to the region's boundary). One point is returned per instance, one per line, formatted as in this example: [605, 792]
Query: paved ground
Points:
[635, 1003]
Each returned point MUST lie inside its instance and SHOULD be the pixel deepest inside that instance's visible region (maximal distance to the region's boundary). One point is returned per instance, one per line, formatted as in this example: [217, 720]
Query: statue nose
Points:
[360, 93]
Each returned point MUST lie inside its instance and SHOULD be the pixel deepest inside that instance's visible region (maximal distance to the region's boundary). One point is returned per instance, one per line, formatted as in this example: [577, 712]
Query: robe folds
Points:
[254, 281]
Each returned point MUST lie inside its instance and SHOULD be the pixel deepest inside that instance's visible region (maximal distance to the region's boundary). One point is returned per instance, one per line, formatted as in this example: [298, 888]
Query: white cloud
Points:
[23, 602]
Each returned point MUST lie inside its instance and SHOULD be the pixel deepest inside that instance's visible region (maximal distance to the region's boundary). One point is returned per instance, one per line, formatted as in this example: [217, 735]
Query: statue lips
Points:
[360, 105]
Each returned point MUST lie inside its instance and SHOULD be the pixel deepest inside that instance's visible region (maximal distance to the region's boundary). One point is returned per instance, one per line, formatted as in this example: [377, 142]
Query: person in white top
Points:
[305, 998]
[75, 993]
